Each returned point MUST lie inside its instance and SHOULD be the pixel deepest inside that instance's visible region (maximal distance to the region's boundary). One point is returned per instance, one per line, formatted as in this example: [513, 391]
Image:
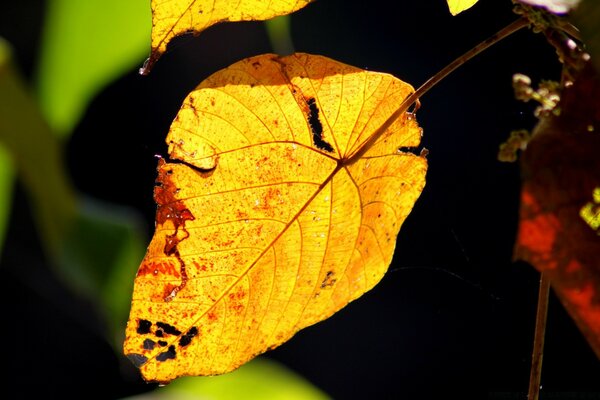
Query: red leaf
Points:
[560, 170]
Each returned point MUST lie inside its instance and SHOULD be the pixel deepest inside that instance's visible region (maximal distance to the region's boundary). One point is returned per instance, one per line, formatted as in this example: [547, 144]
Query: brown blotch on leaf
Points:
[171, 209]
[163, 268]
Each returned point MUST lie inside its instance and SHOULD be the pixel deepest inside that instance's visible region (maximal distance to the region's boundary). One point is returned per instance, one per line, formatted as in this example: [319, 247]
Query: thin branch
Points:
[538, 340]
[434, 80]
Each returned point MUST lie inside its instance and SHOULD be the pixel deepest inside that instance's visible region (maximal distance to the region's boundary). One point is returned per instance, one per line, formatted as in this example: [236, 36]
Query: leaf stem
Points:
[538, 340]
[434, 80]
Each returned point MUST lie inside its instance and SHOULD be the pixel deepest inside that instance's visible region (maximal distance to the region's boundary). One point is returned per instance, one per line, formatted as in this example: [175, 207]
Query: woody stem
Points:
[538, 340]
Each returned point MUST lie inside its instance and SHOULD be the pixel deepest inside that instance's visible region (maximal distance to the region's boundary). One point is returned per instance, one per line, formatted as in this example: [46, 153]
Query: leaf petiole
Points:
[434, 80]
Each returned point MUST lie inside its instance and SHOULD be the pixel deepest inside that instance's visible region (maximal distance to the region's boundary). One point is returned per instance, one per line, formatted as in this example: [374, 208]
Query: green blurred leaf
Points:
[37, 156]
[6, 189]
[101, 255]
[280, 35]
[6, 163]
[260, 379]
[94, 247]
[86, 45]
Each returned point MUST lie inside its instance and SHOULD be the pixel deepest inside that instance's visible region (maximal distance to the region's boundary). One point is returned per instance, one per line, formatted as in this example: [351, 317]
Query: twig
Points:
[434, 80]
[538, 340]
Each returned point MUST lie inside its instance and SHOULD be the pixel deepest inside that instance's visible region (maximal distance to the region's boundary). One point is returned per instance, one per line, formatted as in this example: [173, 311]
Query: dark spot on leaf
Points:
[170, 354]
[168, 329]
[159, 333]
[137, 359]
[187, 338]
[143, 326]
[149, 344]
[162, 343]
[329, 280]
[407, 149]
[316, 127]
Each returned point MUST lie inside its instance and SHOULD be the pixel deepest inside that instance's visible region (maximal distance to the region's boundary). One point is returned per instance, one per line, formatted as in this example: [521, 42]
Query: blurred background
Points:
[454, 315]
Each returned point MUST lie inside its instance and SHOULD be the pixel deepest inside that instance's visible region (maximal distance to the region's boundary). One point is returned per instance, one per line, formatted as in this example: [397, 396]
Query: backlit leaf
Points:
[458, 6]
[171, 18]
[282, 205]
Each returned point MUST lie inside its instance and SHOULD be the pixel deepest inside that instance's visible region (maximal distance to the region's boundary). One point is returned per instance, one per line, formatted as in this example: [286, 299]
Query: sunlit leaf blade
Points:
[171, 18]
[458, 6]
[282, 208]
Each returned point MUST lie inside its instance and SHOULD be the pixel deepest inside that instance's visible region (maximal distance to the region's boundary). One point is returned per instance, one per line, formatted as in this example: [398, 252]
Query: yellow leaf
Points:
[171, 18]
[458, 6]
[283, 205]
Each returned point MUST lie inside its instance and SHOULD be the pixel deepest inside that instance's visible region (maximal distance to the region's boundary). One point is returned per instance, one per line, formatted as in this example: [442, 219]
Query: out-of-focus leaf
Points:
[100, 257]
[171, 18]
[6, 189]
[85, 45]
[95, 250]
[260, 379]
[561, 171]
[38, 159]
[280, 36]
[293, 176]
[458, 6]
[587, 18]
[6, 163]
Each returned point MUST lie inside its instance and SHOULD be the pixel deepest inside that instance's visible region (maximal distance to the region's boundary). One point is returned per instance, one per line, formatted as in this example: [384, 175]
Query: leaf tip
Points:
[149, 63]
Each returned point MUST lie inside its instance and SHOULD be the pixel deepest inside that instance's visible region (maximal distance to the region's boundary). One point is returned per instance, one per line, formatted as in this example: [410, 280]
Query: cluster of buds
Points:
[517, 141]
[547, 94]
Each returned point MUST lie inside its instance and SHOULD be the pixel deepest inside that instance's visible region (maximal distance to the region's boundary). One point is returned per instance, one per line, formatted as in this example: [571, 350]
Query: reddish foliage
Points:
[560, 169]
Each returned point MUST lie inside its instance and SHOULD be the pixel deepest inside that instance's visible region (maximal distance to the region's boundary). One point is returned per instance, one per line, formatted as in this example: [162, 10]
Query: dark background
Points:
[453, 317]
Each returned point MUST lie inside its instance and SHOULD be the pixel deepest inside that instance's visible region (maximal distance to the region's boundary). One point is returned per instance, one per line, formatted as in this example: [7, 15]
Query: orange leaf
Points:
[171, 18]
[561, 171]
[283, 206]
